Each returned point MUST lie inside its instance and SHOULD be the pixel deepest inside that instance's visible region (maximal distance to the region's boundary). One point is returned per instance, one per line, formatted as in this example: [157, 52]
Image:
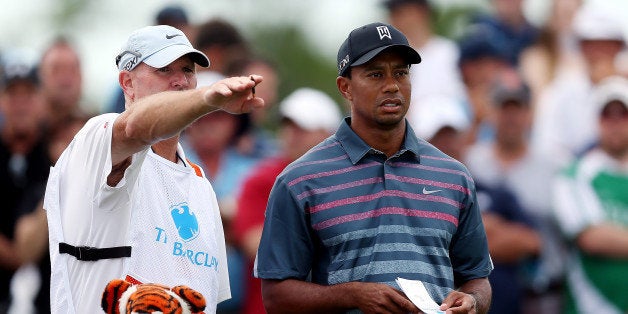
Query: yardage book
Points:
[416, 292]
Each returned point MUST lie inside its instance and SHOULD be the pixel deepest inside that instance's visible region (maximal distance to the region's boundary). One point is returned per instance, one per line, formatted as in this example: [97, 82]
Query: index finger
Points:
[458, 301]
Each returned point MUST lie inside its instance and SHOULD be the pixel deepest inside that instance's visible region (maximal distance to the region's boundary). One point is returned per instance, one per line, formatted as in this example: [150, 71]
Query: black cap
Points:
[368, 41]
[480, 42]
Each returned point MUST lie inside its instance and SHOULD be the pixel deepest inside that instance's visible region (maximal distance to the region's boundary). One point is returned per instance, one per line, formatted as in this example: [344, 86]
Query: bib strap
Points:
[86, 253]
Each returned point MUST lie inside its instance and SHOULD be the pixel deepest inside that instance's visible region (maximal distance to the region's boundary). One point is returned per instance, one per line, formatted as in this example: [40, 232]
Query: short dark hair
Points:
[347, 73]
[218, 32]
[238, 66]
[59, 41]
[172, 15]
[393, 4]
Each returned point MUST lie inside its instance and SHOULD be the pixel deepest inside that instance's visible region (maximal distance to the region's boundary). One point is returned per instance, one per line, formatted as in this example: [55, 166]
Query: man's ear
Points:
[344, 87]
[124, 78]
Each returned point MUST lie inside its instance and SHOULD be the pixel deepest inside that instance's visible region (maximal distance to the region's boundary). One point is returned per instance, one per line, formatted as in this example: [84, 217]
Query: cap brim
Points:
[28, 78]
[6, 82]
[169, 54]
[606, 100]
[412, 57]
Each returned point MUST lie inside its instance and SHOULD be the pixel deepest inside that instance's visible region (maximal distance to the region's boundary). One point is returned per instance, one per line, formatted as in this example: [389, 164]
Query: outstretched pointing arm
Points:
[166, 114]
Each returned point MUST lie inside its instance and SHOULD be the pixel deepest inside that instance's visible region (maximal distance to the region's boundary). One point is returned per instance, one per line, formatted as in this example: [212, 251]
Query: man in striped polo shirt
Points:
[373, 203]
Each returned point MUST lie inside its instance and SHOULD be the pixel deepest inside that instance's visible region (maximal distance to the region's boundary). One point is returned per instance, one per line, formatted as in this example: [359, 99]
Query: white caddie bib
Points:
[176, 234]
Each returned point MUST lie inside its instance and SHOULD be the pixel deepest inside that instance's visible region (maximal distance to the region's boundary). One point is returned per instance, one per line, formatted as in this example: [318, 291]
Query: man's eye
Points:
[403, 73]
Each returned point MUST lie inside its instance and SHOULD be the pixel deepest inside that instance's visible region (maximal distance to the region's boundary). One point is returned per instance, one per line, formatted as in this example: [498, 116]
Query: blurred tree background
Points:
[298, 36]
[300, 64]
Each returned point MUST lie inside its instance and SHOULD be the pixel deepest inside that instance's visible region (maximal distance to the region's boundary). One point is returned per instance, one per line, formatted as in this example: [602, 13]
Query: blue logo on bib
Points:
[185, 221]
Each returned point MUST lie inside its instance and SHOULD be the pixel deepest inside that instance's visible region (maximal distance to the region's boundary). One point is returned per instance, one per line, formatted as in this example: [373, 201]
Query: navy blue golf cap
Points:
[366, 42]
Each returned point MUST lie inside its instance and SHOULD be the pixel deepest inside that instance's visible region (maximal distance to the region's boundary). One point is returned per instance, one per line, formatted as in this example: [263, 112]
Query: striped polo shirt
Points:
[345, 212]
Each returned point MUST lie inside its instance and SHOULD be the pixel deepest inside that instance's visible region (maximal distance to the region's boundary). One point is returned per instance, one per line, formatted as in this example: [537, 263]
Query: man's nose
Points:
[180, 80]
[391, 84]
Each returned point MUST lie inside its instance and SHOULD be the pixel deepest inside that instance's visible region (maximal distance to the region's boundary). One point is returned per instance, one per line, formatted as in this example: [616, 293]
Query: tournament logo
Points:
[198, 254]
[383, 31]
[185, 221]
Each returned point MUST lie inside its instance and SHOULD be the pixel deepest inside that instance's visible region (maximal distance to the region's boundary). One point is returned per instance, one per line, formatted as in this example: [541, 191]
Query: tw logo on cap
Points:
[343, 62]
[383, 32]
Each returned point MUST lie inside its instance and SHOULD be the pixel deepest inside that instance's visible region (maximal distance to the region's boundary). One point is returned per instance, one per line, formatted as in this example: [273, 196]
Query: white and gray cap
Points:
[593, 21]
[157, 46]
[311, 110]
[612, 88]
[437, 112]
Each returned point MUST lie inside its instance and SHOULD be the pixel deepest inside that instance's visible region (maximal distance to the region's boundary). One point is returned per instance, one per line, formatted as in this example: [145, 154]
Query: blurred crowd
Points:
[539, 115]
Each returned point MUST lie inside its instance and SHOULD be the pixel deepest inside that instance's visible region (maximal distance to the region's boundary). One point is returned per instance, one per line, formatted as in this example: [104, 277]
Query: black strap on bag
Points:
[86, 253]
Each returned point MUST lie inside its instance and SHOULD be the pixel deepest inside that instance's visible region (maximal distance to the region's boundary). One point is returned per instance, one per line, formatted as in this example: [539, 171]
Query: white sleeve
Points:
[87, 163]
[576, 206]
